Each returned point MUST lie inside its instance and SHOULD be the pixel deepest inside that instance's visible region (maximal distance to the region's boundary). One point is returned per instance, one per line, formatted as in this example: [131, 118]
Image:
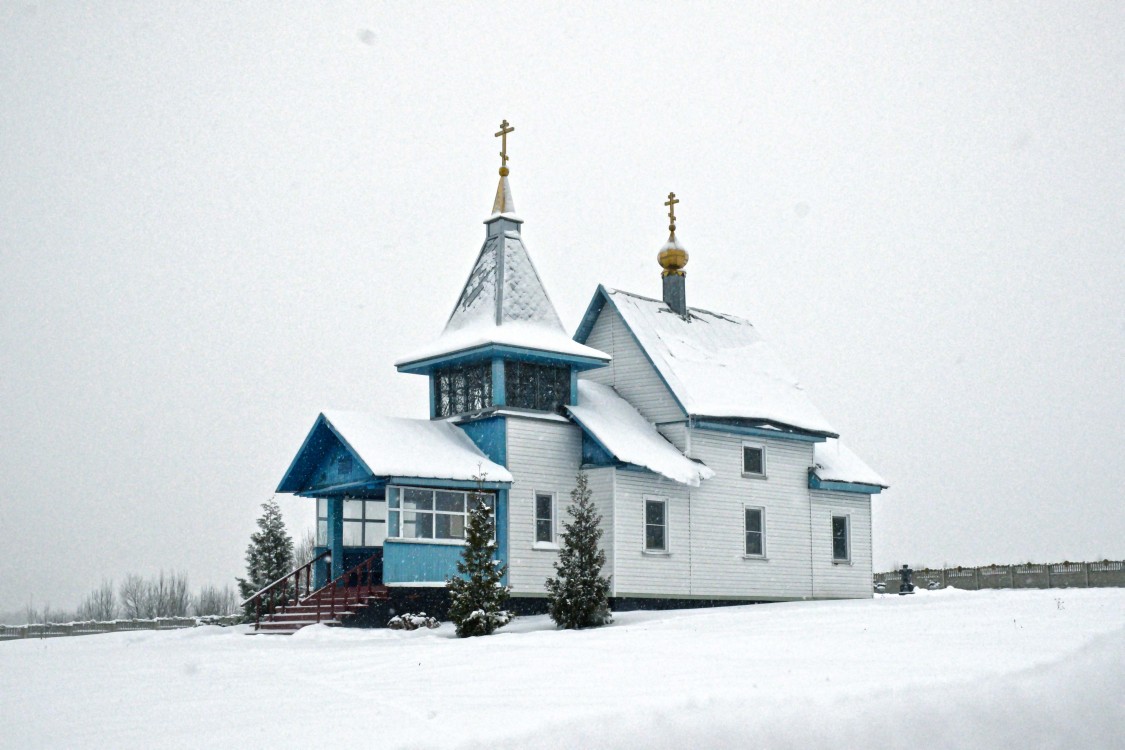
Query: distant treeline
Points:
[139, 598]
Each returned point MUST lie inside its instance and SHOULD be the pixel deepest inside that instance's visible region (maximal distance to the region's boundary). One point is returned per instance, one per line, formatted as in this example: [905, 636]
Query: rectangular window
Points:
[416, 513]
[322, 522]
[840, 538]
[656, 526]
[755, 532]
[533, 386]
[364, 523]
[544, 517]
[753, 460]
[462, 389]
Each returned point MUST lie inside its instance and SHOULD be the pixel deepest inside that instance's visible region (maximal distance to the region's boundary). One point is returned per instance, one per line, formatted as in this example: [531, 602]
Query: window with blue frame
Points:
[416, 513]
[533, 386]
[462, 389]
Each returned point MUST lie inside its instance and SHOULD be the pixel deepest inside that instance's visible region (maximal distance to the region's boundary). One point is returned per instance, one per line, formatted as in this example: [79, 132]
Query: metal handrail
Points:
[334, 585]
[283, 582]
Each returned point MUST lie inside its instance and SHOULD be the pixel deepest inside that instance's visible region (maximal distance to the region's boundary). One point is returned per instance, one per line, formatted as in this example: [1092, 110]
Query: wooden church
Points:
[717, 479]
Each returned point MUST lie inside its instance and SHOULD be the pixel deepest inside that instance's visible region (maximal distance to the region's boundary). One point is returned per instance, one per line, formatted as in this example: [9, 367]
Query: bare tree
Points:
[305, 549]
[213, 600]
[169, 595]
[100, 604]
[134, 597]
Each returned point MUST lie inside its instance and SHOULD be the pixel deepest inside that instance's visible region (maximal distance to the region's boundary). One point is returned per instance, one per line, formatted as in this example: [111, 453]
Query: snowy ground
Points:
[1026, 669]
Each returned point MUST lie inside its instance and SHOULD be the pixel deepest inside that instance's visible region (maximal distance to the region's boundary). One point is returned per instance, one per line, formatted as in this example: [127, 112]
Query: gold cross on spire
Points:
[671, 204]
[505, 128]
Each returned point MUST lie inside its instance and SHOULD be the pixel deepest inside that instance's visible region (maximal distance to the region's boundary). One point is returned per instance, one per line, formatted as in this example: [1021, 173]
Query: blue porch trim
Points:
[406, 561]
[336, 535]
[816, 483]
[412, 561]
[453, 484]
[502, 351]
[321, 443]
[703, 424]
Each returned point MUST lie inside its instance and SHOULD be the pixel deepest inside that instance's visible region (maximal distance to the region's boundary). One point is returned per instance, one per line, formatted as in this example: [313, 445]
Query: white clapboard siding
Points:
[677, 434]
[601, 494]
[640, 573]
[629, 372]
[543, 456]
[841, 580]
[719, 566]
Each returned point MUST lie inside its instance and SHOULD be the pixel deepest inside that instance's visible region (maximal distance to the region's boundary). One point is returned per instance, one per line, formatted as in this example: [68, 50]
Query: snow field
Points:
[1028, 669]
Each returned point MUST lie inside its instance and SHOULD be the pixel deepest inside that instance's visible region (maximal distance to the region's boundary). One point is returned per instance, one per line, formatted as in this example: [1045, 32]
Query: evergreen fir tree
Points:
[578, 596]
[478, 596]
[268, 557]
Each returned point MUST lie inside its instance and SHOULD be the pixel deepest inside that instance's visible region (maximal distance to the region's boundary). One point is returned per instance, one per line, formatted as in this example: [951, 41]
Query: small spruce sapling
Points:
[578, 596]
[269, 556]
[478, 595]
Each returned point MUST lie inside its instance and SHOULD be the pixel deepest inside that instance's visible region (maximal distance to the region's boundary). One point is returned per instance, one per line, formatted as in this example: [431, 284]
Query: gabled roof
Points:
[715, 365]
[393, 447]
[629, 437]
[835, 462]
[504, 303]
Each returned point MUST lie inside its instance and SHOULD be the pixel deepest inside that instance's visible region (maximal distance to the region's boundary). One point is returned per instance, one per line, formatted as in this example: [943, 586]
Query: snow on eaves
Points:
[835, 462]
[718, 365]
[631, 438]
[399, 447]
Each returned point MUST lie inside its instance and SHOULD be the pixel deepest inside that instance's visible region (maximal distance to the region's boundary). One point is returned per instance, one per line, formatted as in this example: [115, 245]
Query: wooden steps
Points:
[299, 614]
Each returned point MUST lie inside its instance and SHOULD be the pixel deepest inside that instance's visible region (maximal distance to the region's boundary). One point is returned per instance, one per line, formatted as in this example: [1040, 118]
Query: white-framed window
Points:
[322, 522]
[841, 538]
[753, 460]
[656, 525]
[418, 513]
[365, 522]
[544, 518]
[754, 524]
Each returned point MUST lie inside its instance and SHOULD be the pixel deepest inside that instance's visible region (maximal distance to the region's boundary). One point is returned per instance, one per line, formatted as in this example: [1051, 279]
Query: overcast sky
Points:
[216, 221]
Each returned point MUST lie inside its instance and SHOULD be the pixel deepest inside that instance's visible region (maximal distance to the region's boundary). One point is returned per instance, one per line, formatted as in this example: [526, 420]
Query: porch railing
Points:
[278, 591]
[362, 574]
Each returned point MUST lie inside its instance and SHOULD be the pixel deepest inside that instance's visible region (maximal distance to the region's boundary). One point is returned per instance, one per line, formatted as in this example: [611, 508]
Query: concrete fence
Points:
[1029, 576]
[59, 630]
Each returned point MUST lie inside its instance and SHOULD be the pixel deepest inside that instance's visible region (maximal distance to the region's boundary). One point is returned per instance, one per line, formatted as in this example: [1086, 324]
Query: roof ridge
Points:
[727, 316]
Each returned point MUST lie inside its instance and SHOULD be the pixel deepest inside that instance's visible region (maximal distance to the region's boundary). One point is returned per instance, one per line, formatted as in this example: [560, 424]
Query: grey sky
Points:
[216, 221]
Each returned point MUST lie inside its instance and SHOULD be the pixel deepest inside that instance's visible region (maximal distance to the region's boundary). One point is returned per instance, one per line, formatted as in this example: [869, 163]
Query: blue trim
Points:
[594, 453]
[407, 561]
[593, 311]
[322, 441]
[455, 484]
[493, 351]
[816, 483]
[432, 388]
[336, 534]
[702, 424]
[573, 387]
[418, 562]
[490, 435]
[501, 520]
[499, 391]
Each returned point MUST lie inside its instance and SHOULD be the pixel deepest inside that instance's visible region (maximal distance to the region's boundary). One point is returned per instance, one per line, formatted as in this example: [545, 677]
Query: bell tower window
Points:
[535, 386]
[462, 389]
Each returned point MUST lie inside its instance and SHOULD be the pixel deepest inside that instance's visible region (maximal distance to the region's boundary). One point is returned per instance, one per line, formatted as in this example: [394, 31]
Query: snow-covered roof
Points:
[835, 462]
[622, 431]
[399, 447]
[718, 365]
[503, 302]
